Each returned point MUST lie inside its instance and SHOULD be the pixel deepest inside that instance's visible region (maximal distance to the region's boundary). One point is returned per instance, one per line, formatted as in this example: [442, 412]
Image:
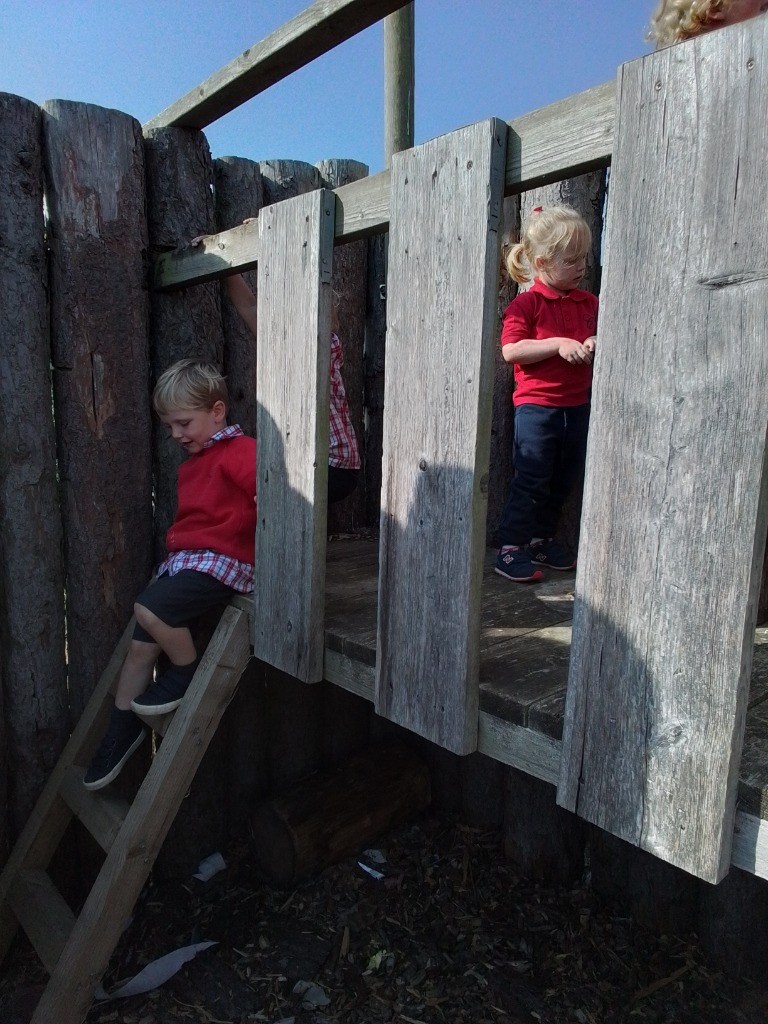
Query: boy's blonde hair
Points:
[550, 233]
[676, 20]
[189, 384]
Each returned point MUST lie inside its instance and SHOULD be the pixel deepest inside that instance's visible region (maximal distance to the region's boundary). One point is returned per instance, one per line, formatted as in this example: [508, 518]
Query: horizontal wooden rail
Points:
[296, 43]
[555, 142]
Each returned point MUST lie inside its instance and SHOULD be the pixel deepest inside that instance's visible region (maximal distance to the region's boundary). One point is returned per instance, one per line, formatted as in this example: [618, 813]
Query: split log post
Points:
[444, 248]
[662, 640]
[183, 324]
[239, 194]
[33, 704]
[337, 813]
[350, 269]
[95, 195]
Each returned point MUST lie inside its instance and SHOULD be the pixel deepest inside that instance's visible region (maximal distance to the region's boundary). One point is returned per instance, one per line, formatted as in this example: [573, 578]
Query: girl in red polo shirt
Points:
[549, 337]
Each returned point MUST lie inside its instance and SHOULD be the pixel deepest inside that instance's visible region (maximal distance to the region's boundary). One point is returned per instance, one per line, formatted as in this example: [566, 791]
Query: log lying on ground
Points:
[337, 812]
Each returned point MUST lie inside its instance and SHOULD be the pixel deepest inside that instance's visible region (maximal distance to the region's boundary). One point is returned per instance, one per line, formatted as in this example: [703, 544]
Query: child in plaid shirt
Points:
[210, 555]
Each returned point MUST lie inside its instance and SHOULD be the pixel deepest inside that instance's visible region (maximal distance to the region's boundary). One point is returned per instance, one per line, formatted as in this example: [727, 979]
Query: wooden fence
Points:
[90, 222]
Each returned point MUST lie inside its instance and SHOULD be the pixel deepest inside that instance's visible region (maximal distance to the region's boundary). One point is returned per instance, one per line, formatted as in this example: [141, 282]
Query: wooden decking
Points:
[525, 647]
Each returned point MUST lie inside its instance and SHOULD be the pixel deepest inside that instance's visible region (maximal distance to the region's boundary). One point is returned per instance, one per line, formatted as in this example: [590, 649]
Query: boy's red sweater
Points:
[216, 510]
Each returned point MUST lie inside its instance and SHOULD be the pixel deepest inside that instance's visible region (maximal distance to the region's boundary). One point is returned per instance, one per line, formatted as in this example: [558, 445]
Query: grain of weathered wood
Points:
[546, 150]
[179, 207]
[315, 31]
[33, 707]
[668, 579]
[292, 432]
[239, 193]
[441, 298]
[127, 865]
[98, 240]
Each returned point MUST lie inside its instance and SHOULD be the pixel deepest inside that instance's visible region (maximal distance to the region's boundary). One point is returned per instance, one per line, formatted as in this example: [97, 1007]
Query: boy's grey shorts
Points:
[178, 599]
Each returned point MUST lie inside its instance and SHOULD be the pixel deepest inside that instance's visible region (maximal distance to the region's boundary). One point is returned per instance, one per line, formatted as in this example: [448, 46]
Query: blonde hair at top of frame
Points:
[189, 384]
[549, 233]
[676, 20]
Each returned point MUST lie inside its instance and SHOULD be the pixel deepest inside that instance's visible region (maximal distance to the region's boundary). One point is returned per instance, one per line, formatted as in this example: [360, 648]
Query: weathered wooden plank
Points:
[298, 42]
[43, 914]
[293, 338]
[441, 313]
[577, 131]
[33, 707]
[545, 148]
[94, 163]
[668, 579]
[750, 844]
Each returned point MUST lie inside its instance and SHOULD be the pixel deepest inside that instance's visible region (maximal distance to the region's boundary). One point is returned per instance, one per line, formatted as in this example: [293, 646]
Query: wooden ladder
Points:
[76, 950]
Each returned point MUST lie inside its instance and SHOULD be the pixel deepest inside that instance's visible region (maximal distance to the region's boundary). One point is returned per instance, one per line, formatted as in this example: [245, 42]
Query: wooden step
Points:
[43, 914]
[101, 812]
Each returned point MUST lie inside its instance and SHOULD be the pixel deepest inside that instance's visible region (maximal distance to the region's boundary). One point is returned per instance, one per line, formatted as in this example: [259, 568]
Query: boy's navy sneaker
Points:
[516, 565]
[553, 555]
[123, 736]
[167, 692]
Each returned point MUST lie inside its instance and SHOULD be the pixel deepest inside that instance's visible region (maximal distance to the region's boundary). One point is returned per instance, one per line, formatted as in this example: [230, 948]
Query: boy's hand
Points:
[574, 351]
[589, 345]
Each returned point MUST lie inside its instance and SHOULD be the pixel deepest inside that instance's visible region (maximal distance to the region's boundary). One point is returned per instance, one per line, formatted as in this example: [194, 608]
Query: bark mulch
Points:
[450, 934]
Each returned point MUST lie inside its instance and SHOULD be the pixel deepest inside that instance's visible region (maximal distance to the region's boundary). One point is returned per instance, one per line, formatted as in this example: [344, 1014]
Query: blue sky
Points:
[474, 59]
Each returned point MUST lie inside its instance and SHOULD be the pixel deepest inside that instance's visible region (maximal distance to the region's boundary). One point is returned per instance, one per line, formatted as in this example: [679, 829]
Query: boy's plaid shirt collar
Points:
[223, 434]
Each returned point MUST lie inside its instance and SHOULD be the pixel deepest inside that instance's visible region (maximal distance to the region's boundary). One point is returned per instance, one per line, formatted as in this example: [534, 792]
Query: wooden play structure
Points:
[644, 700]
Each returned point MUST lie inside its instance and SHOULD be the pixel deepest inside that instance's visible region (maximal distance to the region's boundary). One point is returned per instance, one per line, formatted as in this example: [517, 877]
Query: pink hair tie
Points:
[537, 209]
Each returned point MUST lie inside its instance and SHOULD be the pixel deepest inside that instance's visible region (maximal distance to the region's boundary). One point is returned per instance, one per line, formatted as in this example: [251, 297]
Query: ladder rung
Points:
[43, 914]
[102, 813]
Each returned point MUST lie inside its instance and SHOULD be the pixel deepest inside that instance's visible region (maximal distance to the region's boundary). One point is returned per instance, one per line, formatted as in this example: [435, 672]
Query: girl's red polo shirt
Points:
[541, 313]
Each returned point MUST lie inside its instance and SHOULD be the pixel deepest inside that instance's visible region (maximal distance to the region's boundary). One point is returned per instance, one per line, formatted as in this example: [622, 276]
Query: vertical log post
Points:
[675, 497]
[33, 701]
[95, 195]
[239, 194]
[184, 324]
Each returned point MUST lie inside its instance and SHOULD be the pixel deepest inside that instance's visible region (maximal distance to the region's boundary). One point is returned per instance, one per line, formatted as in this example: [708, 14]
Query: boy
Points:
[210, 555]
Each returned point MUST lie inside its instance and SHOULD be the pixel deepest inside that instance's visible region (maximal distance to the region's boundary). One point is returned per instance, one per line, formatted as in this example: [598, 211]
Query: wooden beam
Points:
[299, 41]
[561, 140]
[555, 142]
[671, 560]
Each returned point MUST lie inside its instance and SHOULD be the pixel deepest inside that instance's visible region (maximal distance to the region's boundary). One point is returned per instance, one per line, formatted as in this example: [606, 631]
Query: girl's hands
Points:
[575, 351]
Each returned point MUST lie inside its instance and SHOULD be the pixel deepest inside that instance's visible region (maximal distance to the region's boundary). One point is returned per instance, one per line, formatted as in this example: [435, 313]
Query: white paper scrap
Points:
[312, 995]
[371, 871]
[155, 973]
[210, 866]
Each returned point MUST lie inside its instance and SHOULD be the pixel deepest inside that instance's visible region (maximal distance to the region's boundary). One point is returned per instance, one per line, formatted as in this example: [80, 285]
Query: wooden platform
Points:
[526, 632]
